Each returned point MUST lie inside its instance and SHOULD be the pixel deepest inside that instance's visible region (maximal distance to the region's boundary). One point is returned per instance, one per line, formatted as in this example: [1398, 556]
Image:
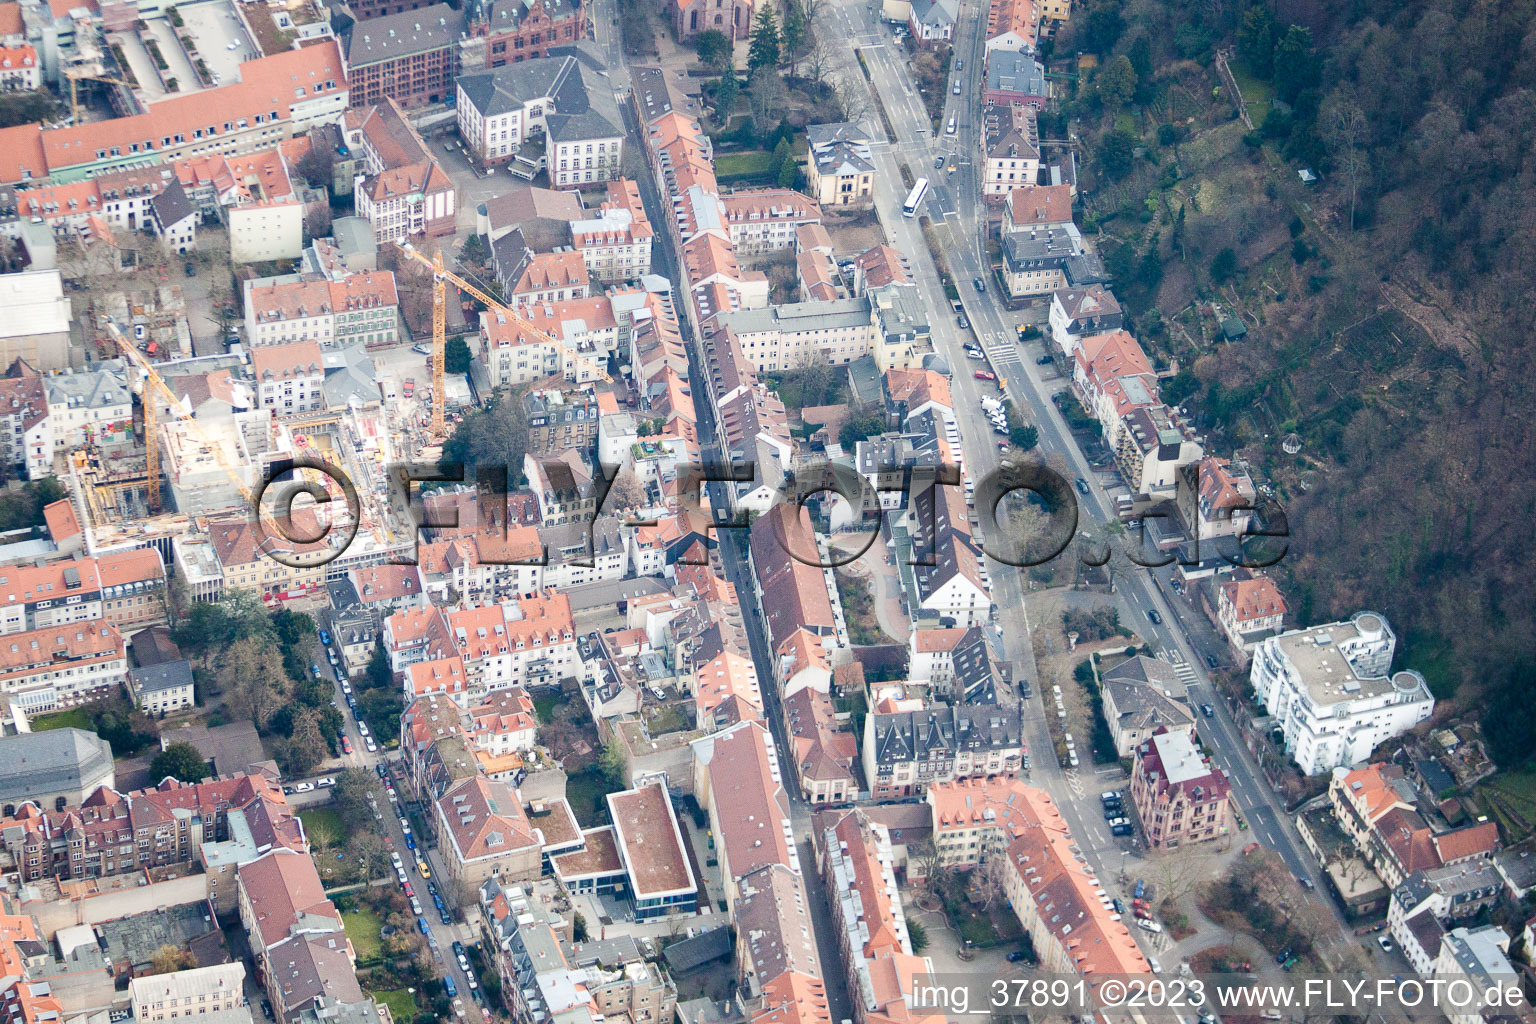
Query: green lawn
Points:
[669, 719]
[74, 718]
[754, 161]
[402, 1005]
[1257, 94]
[363, 927]
[544, 707]
[319, 816]
[585, 791]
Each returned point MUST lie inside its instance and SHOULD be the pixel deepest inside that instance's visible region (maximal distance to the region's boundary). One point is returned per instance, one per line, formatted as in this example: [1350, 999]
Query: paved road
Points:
[960, 220]
[390, 828]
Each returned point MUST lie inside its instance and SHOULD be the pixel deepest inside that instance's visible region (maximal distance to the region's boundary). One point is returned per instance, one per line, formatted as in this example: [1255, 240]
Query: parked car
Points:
[1140, 892]
[985, 375]
[1210, 661]
[957, 88]
[362, 728]
[346, 745]
[1149, 926]
[325, 637]
[1114, 797]
[1118, 904]
[1044, 361]
[1385, 943]
[372, 747]
[1015, 956]
[304, 787]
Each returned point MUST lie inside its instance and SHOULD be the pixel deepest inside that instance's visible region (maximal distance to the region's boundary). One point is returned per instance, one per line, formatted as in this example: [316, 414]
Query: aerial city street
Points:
[724, 511]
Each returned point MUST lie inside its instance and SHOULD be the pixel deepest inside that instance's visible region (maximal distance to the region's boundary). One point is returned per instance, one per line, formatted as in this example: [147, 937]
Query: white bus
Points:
[909, 208]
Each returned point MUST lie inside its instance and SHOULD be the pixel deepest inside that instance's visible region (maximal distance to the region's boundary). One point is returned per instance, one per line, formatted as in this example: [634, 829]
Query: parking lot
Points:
[214, 25]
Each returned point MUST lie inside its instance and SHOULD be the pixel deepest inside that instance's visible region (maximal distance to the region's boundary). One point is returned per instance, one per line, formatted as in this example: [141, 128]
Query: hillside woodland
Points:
[1387, 304]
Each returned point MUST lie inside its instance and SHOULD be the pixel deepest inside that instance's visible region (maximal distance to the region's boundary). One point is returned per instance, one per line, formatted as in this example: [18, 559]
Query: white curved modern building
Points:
[1331, 691]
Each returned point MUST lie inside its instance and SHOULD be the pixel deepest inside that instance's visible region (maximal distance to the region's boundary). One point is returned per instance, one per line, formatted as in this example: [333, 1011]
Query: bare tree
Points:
[850, 97]
[627, 493]
[988, 879]
[1347, 130]
[769, 96]
[1177, 873]
[925, 856]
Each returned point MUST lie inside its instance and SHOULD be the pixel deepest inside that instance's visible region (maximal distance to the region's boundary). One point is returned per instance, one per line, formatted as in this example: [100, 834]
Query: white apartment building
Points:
[765, 220]
[1331, 691]
[558, 97]
[290, 379]
[1479, 956]
[26, 433]
[617, 242]
[362, 307]
[188, 993]
[1011, 139]
[783, 337]
[89, 406]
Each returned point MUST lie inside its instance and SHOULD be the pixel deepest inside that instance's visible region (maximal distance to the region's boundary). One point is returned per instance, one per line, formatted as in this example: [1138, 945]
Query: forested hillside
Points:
[1388, 306]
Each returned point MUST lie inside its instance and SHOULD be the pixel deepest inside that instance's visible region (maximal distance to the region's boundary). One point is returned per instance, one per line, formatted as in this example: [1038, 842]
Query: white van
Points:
[1149, 926]
[949, 129]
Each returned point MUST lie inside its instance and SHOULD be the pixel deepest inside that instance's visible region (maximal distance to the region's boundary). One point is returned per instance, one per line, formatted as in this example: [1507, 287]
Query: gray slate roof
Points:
[583, 100]
[912, 735]
[165, 676]
[43, 763]
[171, 204]
[403, 34]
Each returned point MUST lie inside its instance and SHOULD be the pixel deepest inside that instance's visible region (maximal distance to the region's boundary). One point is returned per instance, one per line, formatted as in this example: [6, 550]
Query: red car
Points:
[346, 745]
[409, 892]
[985, 375]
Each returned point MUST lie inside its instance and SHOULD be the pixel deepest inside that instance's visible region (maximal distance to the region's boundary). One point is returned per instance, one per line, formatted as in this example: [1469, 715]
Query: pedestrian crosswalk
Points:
[1181, 668]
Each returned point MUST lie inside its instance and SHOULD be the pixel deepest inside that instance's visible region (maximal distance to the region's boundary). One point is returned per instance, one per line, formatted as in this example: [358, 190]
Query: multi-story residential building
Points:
[1151, 448]
[26, 435]
[657, 874]
[1010, 138]
[485, 833]
[1425, 901]
[54, 594]
[563, 98]
[497, 728]
[164, 688]
[259, 201]
[617, 242]
[361, 307]
[1038, 208]
[544, 277]
[1180, 797]
[1012, 25]
[198, 990]
[403, 191]
[1112, 377]
[1215, 498]
[738, 780]
[1015, 78]
[906, 752]
[1479, 956]
[108, 833]
[783, 337]
[90, 406]
[1041, 260]
[560, 420]
[839, 166]
[1374, 805]
[511, 31]
[410, 57]
[290, 379]
[1046, 880]
[1248, 611]
[19, 69]
[528, 642]
[275, 98]
[1332, 693]
[766, 220]
[933, 21]
[824, 753]
[61, 665]
[1077, 313]
[244, 562]
[731, 17]
[857, 866]
[280, 896]
[1135, 710]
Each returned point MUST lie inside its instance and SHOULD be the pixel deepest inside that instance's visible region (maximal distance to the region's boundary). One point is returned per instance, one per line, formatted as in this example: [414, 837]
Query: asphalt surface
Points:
[958, 217]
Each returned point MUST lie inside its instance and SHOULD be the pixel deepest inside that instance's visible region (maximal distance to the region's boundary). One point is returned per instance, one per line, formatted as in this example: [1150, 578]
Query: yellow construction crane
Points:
[154, 381]
[441, 278]
[75, 78]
